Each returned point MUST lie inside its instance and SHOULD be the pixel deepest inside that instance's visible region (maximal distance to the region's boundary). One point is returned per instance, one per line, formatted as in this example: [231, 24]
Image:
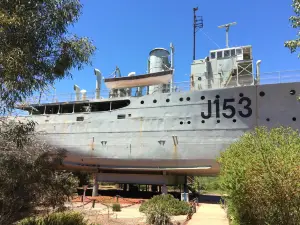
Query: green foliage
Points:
[65, 218]
[293, 45]
[35, 46]
[261, 175]
[116, 207]
[27, 173]
[158, 214]
[172, 205]
[206, 184]
[83, 177]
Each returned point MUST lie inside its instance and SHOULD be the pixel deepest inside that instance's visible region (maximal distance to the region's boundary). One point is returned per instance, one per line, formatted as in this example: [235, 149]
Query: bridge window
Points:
[212, 55]
[247, 53]
[226, 53]
[219, 55]
[238, 51]
[232, 52]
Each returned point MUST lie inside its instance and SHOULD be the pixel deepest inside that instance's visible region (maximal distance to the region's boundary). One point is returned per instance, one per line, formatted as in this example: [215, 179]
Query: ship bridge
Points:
[228, 67]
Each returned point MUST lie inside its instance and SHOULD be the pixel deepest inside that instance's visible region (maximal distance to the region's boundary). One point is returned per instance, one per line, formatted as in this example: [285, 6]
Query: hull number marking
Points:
[229, 111]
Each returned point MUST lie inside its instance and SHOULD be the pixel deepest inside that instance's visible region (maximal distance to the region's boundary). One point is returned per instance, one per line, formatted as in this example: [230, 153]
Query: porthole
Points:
[202, 97]
[218, 121]
[294, 119]
[154, 101]
[203, 121]
[129, 115]
[234, 120]
[181, 122]
[268, 119]
[292, 92]
[167, 100]
[262, 94]
[181, 99]
[188, 122]
[217, 96]
[188, 98]
[241, 95]
[199, 78]
[142, 102]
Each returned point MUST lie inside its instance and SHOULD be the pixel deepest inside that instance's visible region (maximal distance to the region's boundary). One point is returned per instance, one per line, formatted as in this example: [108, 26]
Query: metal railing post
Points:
[279, 76]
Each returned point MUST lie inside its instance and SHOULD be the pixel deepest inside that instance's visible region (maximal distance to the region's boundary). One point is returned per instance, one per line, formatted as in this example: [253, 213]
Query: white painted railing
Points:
[265, 78]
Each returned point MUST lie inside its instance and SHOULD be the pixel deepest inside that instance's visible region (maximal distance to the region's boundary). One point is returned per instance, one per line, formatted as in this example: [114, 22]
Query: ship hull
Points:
[181, 132]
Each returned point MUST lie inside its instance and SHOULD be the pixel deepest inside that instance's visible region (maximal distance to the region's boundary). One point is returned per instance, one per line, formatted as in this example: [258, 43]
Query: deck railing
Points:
[265, 78]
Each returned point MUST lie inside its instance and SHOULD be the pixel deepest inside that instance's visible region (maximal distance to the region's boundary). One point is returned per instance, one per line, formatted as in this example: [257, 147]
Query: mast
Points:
[198, 23]
[227, 31]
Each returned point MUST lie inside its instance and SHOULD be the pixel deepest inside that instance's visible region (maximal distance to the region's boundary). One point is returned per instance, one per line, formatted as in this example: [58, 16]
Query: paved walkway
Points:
[209, 214]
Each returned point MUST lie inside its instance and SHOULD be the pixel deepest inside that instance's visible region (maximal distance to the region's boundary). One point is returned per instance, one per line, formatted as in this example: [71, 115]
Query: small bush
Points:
[158, 215]
[64, 218]
[260, 173]
[116, 207]
[167, 202]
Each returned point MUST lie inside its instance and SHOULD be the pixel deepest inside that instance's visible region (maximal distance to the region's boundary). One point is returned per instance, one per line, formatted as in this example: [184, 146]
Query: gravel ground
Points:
[128, 215]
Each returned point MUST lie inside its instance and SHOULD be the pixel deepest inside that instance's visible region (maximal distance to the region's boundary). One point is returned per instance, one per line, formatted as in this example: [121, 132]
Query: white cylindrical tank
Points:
[158, 61]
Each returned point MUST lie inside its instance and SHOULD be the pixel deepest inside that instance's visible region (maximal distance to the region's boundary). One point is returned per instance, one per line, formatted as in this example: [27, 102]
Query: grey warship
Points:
[148, 124]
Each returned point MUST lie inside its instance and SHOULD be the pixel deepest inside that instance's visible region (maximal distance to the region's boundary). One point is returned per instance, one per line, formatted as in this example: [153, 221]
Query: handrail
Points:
[287, 76]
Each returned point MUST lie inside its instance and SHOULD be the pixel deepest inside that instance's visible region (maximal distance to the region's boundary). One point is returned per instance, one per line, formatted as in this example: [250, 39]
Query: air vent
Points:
[121, 116]
[79, 118]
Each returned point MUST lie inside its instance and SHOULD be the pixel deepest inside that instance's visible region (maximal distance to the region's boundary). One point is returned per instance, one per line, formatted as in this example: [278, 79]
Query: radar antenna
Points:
[198, 23]
[227, 31]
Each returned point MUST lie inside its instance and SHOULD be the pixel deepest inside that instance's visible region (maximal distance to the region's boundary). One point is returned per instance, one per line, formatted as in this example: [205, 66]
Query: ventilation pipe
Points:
[258, 71]
[77, 92]
[83, 92]
[172, 65]
[98, 82]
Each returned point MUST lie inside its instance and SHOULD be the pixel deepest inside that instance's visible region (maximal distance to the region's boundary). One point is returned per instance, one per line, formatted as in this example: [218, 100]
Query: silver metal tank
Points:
[158, 61]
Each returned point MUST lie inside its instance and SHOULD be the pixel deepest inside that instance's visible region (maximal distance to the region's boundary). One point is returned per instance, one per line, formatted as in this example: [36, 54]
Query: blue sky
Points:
[124, 32]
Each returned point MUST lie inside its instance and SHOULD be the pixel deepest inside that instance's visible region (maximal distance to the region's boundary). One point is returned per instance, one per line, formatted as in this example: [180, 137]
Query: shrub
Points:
[116, 207]
[167, 202]
[261, 175]
[158, 214]
[65, 218]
